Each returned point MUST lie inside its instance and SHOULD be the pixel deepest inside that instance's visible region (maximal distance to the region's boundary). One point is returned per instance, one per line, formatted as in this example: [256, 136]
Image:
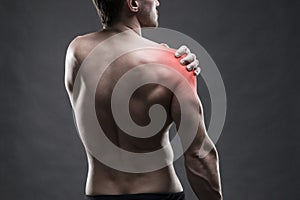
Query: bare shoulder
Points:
[81, 45]
[76, 52]
[164, 56]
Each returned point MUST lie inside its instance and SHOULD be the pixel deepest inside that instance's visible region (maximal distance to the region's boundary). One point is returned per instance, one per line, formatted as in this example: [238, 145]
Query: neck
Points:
[124, 25]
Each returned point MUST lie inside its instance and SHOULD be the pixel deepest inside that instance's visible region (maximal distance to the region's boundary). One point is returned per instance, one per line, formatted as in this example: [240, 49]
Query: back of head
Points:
[109, 10]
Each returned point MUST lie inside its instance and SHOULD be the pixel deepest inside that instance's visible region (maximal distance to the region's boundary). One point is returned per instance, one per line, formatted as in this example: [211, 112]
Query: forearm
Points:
[203, 175]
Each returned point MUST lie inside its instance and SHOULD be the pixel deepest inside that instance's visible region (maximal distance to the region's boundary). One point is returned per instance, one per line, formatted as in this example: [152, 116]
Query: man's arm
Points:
[71, 66]
[202, 173]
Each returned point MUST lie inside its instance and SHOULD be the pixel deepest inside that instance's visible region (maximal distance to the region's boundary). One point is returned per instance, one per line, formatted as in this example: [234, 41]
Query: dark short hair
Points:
[108, 10]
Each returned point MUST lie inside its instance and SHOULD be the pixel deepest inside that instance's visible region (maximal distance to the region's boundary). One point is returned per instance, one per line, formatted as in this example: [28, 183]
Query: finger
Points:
[165, 45]
[182, 50]
[193, 65]
[188, 59]
[197, 71]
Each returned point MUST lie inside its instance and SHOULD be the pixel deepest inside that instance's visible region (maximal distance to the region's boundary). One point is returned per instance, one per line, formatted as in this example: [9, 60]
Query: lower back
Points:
[104, 180]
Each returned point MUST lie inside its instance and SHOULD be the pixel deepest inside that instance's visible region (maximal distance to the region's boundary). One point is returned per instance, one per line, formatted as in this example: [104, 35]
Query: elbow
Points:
[204, 152]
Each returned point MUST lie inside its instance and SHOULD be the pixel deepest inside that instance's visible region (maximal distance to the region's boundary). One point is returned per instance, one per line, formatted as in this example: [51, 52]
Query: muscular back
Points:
[139, 52]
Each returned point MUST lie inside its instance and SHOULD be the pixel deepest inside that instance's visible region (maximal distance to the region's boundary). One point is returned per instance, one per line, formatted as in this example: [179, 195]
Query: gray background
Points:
[254, 43]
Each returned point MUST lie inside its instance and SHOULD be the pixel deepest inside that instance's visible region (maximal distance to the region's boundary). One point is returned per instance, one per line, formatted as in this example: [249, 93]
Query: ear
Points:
[133, 5]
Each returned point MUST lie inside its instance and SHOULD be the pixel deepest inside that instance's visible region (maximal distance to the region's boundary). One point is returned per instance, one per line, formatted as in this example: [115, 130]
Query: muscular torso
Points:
[102, 179]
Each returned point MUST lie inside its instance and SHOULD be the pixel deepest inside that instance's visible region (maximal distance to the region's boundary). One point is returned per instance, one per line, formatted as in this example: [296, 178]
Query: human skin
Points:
[202, 173]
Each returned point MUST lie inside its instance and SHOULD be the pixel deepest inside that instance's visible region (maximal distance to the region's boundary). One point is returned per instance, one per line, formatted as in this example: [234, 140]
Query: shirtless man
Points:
[122, 21]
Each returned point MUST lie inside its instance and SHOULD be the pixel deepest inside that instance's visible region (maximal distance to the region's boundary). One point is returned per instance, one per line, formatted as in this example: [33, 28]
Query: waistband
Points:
[139, 196]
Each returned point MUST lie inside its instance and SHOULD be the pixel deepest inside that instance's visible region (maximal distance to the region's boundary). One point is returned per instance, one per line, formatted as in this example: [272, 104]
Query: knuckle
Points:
[196, 66]
[193, 55]
[189, 57]
[184, 46]
[186, 49]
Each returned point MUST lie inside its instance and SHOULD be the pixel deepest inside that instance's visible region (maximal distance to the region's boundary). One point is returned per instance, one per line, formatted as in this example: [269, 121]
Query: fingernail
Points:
[177, 55]
[182, 62]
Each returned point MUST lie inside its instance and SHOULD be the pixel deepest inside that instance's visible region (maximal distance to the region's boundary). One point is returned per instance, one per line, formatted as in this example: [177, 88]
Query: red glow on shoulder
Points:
[175, 64]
